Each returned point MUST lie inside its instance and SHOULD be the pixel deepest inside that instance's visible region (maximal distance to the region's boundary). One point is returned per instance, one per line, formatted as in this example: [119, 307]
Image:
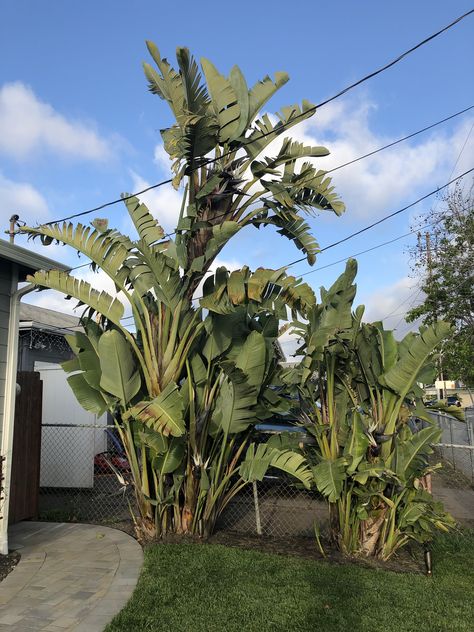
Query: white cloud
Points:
[28, 124]
[20, 198]
[391, 303]
[379, 183]
[164, 202]
[162, 160]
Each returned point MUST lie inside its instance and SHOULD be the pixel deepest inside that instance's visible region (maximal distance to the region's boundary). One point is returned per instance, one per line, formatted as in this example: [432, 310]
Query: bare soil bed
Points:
[8, 563]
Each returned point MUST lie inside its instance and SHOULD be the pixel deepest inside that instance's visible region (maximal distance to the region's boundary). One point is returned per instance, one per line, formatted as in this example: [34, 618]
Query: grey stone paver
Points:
[71, 577]
[459, 502]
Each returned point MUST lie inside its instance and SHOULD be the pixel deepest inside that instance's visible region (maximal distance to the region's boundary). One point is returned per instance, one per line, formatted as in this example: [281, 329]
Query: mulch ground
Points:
[8, 563]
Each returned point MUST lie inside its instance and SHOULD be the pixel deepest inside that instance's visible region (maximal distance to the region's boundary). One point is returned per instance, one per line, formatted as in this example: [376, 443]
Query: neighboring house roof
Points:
[33, 317]
[28, 261]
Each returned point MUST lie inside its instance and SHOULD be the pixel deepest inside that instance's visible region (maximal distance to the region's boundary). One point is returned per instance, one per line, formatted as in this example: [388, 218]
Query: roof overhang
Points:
[28, 261]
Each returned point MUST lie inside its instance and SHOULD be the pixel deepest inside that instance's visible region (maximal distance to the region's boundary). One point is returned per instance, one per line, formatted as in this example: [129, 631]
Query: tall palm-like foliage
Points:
[361, 394]
[187, 386]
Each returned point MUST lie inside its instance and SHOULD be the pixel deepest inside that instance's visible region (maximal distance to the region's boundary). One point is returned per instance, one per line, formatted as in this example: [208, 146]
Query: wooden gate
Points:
[24, 490]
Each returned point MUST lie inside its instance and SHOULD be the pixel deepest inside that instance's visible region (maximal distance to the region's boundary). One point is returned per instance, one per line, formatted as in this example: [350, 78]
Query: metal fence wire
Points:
[456, 445]
[84, 477]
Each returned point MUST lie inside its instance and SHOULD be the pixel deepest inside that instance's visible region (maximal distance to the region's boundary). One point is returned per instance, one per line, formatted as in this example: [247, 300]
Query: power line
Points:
[282, 127]
[375, 151]
[389, 145]
[358, 233]
[383, 219]
[363, 252]
[401, 140]
[405, 208]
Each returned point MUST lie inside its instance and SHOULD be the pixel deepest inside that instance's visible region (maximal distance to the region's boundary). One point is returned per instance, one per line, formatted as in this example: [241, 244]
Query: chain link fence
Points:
[456, 445]
[84, 475]
[275, 507]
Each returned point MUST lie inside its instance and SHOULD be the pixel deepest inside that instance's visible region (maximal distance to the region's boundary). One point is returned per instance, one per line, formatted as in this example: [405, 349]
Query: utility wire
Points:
[282, 127]
[346, 164]
[405, 208]
[401, 140]
[383, 219]
[375, 151]
[363, 252]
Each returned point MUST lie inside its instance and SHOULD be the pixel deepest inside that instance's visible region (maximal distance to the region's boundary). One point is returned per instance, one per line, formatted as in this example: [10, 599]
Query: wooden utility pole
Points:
[429, 262]
[13, 224]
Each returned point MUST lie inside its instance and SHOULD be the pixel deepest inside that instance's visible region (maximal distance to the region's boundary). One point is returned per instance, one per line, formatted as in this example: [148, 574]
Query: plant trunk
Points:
[370, 533]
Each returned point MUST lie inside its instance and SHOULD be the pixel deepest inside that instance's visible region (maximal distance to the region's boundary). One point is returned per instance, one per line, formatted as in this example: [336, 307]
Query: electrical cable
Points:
[282, 126]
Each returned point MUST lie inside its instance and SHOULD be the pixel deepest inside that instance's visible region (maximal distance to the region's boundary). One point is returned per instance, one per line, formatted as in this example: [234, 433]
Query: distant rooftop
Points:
[35, 317]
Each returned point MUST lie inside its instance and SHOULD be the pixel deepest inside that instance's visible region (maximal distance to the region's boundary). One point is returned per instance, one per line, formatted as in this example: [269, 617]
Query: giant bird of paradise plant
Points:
[186, 386]
[360, 388]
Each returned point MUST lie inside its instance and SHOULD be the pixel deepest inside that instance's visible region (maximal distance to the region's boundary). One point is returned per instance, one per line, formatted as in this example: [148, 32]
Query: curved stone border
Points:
[121, 587]
[70, 577]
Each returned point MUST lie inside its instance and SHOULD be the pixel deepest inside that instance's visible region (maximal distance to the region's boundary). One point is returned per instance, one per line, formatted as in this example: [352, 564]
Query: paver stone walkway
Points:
[71, 577]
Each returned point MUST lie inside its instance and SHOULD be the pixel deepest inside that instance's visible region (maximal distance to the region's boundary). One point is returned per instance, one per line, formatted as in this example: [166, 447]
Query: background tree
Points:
[444, 261]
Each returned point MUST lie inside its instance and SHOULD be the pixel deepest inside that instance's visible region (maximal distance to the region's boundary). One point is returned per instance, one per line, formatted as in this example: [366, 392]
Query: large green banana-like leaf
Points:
[270, 289]
[257, 461]
[86, 359]
[107, 249]
[88, 397]
[233, 411]
[401, 377]
[289, 151]
[164, 413]
[265, 132]
[443, 407]
[221, 234]
[263, 91]
[171, 459]
[147, 226]
[294, 228]
[389, 347]
[239, 85]
[408, 453]
[252, 359]
[100, 302]
[329, 319]
[195, 93]
[225, 102]
[168, 85]
[357, 444]
[158, 272]
[308, 189]
[119, 374]
[329, 477]
[155, 441]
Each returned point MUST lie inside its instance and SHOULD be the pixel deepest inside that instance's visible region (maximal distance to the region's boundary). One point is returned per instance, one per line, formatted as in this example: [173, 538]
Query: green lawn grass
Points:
[187, 587]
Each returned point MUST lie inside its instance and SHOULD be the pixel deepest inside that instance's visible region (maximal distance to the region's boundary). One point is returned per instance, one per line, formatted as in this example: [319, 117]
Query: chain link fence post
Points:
[469, 414]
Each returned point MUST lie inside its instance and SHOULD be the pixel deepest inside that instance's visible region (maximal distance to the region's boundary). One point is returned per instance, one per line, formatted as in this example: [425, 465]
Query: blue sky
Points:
[78, 126]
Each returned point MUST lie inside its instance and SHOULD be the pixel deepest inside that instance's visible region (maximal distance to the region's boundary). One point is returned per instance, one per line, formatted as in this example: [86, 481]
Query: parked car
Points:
[453, 400]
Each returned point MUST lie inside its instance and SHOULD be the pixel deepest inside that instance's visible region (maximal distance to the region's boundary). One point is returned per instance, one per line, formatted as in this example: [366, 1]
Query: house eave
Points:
[28, 261]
